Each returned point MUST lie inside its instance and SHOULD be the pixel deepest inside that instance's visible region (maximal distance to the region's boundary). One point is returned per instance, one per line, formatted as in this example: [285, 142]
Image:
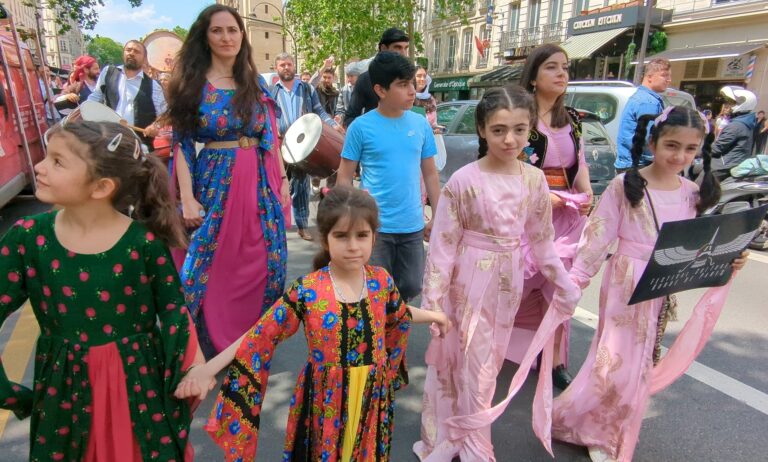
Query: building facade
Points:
[25, 20]
[263, 21]
[61, 48]
[710, 42]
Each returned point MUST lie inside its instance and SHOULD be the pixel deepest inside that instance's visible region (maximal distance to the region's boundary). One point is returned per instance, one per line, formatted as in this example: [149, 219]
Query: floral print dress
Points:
[343, 339]
[115, 337]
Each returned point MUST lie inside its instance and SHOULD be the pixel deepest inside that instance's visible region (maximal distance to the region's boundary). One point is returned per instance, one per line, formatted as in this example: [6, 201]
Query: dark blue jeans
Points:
[403, 256]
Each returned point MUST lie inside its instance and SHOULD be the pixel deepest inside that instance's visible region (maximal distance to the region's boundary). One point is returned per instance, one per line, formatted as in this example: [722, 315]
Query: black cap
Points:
[393, 35]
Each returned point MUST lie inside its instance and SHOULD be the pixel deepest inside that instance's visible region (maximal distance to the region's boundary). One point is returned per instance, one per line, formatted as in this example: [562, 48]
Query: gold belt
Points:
[244, 142]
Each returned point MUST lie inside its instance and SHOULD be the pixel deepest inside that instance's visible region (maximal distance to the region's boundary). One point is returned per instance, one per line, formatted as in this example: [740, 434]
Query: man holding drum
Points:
[128, 91]
[295, 99]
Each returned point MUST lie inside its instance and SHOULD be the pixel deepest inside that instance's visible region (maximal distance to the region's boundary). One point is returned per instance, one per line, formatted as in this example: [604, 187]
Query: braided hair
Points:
[671, 118]
[509, 97]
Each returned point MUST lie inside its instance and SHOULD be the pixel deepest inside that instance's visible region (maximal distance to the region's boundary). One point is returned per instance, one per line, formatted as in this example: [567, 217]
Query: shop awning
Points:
[583, 46]
[450, 84]
[503, 75]
[728, 50]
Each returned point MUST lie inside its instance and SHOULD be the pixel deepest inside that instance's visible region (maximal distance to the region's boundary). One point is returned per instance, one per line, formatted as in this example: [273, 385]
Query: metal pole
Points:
[644, 43]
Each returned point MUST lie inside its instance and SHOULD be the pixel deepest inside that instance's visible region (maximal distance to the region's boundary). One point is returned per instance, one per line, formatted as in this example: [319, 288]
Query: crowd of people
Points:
[131, 276]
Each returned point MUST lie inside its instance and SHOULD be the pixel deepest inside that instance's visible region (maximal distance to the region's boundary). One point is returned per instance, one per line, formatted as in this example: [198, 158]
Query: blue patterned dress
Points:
[223, 286]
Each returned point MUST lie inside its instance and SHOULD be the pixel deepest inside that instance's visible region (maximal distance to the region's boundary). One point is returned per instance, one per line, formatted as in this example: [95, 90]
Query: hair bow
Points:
[663, 116]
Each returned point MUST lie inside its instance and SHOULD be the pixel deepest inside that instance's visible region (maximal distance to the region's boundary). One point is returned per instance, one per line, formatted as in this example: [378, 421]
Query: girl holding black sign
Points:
[604, 406]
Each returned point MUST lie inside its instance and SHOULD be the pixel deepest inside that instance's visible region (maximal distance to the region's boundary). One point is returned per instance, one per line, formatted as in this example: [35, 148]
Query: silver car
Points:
[458, 117]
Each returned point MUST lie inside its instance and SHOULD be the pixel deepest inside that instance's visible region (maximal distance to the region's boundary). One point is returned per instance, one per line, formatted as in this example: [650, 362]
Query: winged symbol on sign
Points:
[697, 258]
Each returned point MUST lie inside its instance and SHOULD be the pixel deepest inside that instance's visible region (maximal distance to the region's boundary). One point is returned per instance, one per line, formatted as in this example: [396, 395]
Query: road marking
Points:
[18, 351]
[729, 386]
[761, 257]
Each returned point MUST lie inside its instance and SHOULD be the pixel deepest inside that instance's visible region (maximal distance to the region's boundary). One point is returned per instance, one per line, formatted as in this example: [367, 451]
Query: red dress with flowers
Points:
[371, 333]
[115, 337]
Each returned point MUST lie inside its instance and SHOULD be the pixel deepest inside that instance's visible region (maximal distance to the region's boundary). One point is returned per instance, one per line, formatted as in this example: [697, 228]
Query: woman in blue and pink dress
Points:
[234, 191]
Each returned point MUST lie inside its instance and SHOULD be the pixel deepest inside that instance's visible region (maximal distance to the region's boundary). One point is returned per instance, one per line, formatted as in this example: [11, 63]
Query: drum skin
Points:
[321, 158]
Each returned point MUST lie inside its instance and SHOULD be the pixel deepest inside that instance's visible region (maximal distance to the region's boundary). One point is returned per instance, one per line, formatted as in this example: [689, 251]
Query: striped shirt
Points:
[292, 104]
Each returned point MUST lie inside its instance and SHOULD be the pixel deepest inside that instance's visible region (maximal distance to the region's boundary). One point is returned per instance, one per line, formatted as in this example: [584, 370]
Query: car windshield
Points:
[601, 104]
[594, 133]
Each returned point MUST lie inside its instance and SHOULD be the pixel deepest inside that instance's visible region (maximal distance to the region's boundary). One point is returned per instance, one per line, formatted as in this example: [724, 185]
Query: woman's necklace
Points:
[339, 293]
[220, 78]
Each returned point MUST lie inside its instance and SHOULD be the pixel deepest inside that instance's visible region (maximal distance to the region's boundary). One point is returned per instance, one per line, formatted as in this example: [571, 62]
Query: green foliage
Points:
[658, 42]
[181, 32]
[105, 50]
[351, 28]
[628, 56]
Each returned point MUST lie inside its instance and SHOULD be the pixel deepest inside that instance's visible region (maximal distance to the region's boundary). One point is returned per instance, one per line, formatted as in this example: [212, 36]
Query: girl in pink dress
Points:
[474, 273]
[556, 147]
[604, 406]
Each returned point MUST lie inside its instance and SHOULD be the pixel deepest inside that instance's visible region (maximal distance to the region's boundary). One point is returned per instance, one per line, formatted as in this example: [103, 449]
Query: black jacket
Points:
[363, 98]
[734, 145]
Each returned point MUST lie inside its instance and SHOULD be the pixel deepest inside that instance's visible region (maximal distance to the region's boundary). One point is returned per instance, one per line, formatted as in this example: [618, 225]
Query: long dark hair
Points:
[509, 97]
[185, 89]
[142, 180]
[340, 202]
[678, 116]
[560, 117]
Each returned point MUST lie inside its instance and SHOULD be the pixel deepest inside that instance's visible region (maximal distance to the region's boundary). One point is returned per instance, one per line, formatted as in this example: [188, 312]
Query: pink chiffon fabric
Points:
[605, 404]
[474, 273]
[568, 224]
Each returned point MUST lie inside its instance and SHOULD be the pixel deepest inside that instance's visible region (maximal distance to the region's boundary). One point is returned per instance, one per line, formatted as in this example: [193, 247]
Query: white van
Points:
[607, 98]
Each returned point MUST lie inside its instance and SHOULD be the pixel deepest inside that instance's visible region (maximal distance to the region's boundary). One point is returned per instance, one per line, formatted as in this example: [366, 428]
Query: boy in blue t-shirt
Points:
[396, 148]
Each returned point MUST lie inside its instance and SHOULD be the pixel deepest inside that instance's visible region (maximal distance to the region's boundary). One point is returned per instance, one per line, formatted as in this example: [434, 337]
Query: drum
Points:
[312, 146]
[91, 111]
[162, 48]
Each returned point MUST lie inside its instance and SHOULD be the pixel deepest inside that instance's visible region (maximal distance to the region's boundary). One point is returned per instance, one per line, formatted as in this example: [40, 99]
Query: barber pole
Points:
[750, 69]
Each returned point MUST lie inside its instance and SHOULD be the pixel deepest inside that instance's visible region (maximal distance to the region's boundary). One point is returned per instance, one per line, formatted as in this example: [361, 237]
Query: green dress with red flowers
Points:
[114, 338]
[344, 396]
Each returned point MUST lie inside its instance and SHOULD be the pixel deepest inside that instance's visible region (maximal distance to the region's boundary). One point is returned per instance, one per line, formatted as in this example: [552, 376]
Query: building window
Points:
[266, 35]
[579, 6]
[436, 53]
[514, 16]
[267, 58]
[485, 35]
[466, 56]
[534, 10]
[266, 9]
[555, 11]
[451, 57]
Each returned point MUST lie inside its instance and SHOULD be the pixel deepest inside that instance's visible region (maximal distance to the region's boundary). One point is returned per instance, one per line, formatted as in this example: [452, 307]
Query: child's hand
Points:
[195, 384]
[740, 261]
[441, 322]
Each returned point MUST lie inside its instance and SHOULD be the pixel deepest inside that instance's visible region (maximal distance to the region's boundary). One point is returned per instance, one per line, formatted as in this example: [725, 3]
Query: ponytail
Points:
[634, 184]
[155, 207]
[321, 260]
[482, 147]
[709, 190]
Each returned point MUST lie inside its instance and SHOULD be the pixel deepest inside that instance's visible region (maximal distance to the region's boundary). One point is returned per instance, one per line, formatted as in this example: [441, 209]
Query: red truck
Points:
[21, 105]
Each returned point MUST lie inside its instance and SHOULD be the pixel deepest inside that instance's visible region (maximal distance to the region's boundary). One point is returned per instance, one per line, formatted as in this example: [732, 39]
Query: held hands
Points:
[427, 230]
[441, 323]
[740, 261]
[192, 213]
[195, 384]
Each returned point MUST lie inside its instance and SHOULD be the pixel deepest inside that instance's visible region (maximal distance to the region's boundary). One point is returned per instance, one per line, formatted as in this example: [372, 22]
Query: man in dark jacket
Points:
[363, 97]
[734, 145]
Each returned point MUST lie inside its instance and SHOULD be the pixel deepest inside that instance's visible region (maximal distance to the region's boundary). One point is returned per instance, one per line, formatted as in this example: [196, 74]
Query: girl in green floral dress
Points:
[115, 336]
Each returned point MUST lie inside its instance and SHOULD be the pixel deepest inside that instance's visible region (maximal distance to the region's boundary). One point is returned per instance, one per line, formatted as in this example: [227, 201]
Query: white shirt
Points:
[127, 89]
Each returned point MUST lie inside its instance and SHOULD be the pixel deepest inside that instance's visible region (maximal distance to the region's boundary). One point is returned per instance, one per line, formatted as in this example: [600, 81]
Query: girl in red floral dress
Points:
[115, 336]
[357, 329]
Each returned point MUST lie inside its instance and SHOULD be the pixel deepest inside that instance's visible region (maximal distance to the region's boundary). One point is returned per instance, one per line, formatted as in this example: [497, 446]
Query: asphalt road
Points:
[716, 412]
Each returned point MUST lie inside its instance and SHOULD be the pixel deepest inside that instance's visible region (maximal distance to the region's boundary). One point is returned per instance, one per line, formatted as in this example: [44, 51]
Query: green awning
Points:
[499, 76]
[450, 84]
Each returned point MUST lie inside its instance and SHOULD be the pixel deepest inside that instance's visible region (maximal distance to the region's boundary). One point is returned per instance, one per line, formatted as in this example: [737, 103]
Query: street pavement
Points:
[718, 411]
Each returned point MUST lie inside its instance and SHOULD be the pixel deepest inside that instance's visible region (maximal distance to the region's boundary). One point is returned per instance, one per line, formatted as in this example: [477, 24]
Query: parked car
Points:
[458, 117]
[607, 98]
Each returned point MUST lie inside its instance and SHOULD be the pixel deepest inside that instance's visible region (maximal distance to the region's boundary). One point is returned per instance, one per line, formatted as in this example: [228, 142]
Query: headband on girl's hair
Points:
[663, 116]
[137, 151]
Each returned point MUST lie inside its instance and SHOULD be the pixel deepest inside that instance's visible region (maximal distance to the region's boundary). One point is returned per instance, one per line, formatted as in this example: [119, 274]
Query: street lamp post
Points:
[252, 17]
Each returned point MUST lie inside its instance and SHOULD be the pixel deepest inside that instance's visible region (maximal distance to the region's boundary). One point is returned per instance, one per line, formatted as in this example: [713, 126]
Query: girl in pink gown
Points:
[604, 406]
[474, 273]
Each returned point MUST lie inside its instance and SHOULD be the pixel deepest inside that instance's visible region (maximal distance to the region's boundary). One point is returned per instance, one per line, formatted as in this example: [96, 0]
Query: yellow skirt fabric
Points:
[357, 378]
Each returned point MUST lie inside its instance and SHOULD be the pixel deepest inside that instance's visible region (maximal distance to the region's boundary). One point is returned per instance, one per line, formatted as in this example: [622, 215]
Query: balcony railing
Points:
[534, 36]
[482, 62]
[464, 66]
